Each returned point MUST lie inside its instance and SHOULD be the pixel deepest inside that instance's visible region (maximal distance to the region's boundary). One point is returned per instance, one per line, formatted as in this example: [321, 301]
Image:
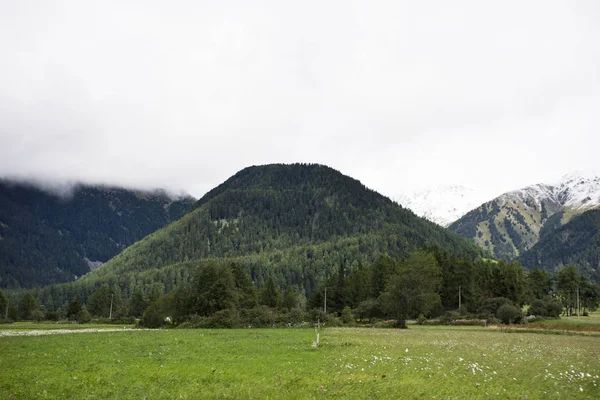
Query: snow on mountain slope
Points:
[579, 190]
[533, 195]
[515, 221]
[574, 191]
[442, 205]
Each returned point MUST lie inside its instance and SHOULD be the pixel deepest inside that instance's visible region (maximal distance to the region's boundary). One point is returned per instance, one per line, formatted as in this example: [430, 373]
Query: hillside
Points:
[295, 223]
[46, 238]
[577, 242]
[515, 221]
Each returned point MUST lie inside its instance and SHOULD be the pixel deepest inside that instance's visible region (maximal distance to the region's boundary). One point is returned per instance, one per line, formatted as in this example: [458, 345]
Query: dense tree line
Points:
[425, 284]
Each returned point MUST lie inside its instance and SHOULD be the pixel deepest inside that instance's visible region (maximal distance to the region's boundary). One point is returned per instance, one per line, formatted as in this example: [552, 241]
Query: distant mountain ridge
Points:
[46, 238]
[515, 221]
[442, 205]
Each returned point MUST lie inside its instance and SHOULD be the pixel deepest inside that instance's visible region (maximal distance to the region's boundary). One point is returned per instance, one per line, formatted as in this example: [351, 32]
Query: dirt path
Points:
[42, 332]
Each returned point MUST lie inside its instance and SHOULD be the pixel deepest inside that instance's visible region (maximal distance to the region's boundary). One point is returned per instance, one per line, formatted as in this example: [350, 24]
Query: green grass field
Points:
[589, 324]
[420, 362]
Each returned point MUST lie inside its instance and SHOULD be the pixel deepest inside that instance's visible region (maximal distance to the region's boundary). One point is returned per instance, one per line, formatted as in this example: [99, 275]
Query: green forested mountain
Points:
[577, 242]
[293, 223]
[509, 224]
[46, 238]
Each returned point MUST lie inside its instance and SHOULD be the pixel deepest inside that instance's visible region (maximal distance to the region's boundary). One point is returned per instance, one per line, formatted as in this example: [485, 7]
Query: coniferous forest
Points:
[46, 237]
[266, 245]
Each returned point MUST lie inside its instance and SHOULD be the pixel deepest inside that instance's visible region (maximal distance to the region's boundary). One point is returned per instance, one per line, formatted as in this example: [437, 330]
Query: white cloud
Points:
[401, 95]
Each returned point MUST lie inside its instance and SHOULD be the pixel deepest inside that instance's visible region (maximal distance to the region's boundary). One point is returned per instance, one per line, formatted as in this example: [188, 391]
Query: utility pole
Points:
[459, 301]
[325, 306]
[111, 301]
[577, 302]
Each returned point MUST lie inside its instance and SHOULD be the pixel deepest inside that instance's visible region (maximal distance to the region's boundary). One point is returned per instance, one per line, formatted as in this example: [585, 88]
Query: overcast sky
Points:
[399, 94]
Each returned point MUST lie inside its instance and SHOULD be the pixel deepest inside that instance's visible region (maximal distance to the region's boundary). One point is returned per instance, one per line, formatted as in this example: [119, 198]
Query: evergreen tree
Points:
[212, 290]
[359, 285]
[3, 305]
[413, 290]
[381, 270]
[508, 280]
[539, 283]
[246, 292]
[289, 299]
[270, 295]
[340, 290]
[156, 290]
[568, 280]
[589, 295]
[100, 302]
[137, 303]
[74, 308]
[27, 305]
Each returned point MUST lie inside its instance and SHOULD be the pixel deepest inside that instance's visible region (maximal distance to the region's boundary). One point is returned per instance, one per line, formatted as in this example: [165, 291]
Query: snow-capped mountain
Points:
[579, 190]
[574, 191]
[442, 205]
[515, 221]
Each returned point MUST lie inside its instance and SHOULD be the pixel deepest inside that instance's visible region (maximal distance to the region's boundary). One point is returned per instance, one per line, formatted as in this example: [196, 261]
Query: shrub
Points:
[261, 316]
[53, 316]
[318, 315]
[537, 308]
[545, 308]
[385, 324]
[158, 311]
[508, 313]
[553, 309]
[368, 309]
[296, 316]
[347, 316]
[37, 315]
[492, 305]
[84, 316]
[449, 317]
[13, 313]
[222, 319]
[333, 320]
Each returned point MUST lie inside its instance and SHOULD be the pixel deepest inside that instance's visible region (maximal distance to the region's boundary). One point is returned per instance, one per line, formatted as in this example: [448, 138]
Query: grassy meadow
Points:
[420, 362]
[589, 324]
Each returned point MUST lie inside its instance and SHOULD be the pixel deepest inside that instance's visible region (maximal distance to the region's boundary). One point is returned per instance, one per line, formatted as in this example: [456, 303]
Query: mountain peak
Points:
[443, 204]
[579, 190]
[516, 220]
[578, 175]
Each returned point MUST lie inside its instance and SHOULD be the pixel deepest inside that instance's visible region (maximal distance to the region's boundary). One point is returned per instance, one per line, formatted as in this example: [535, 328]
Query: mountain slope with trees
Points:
[514, 222]
[270, 244]
[46, 238]
[273, 208]
[577, 242]
[290, 223]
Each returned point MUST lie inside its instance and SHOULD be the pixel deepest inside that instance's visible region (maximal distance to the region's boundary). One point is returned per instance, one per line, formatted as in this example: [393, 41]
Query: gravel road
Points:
[41, 332]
